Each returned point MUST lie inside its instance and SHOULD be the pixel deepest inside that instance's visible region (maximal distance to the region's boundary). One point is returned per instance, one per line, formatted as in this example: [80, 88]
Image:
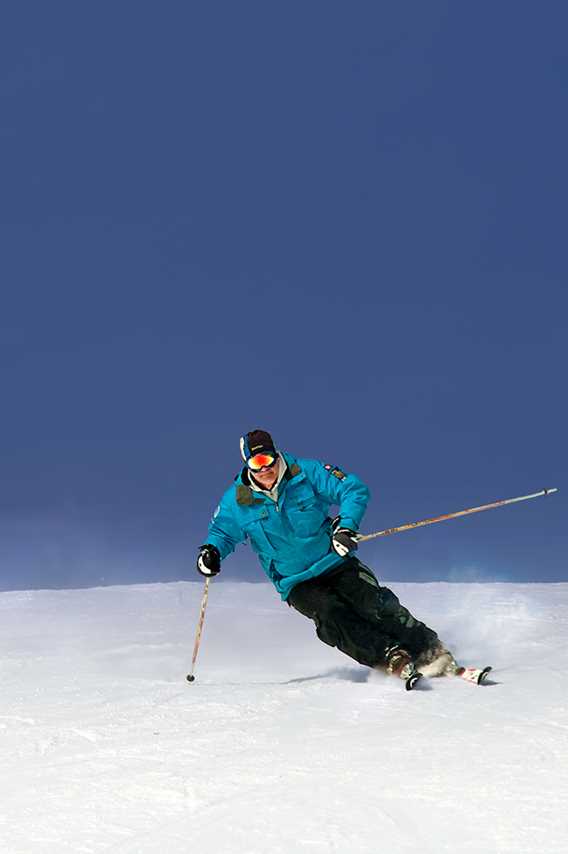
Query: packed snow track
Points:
[282, 744]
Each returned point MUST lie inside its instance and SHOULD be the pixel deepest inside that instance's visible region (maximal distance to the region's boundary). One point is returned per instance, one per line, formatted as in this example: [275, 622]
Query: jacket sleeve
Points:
[345, 490]
[224, 530]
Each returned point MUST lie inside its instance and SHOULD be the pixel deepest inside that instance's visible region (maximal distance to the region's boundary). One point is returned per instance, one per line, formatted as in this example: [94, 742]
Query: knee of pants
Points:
[327, 634]
[327, 620]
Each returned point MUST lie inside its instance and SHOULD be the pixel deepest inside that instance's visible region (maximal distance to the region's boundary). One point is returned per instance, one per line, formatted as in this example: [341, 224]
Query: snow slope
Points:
[282, 744]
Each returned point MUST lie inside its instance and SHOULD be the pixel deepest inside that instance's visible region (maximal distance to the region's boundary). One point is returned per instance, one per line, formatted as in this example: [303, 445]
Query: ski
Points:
[475, 675]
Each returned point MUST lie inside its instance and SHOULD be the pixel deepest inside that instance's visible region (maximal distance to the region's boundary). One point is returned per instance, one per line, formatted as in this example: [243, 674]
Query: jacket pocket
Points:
[306, 517]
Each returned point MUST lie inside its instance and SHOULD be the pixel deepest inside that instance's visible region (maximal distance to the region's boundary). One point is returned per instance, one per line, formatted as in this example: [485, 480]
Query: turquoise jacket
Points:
[293, 536]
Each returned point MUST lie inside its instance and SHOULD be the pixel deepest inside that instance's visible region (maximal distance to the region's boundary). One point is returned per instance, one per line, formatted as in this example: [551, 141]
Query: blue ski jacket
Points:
[292, 536]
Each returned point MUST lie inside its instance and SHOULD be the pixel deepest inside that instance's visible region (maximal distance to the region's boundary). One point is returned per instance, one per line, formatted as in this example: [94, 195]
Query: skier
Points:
[280, 504]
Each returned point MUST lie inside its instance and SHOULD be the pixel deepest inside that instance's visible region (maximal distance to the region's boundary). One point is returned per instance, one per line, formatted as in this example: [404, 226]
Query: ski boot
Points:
[399, 663]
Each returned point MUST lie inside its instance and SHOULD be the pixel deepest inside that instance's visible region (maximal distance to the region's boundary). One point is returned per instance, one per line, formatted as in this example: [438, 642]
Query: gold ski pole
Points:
[190, 677]
[409, 525]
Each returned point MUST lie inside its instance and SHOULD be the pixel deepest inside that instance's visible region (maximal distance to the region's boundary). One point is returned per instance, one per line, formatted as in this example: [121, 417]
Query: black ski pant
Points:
[353, 612]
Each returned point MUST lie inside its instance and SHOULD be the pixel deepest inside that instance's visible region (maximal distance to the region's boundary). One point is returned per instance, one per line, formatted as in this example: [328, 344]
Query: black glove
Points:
[343, 540]
[208, 560]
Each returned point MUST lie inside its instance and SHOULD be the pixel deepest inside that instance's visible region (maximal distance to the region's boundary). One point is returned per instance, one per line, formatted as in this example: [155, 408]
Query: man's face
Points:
[267, 475]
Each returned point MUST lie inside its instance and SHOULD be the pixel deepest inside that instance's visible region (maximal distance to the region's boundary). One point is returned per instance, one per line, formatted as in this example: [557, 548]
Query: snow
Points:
[281, 744]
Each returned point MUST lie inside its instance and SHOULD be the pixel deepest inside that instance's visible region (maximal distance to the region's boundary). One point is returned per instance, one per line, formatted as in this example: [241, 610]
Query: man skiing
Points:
[280, 504]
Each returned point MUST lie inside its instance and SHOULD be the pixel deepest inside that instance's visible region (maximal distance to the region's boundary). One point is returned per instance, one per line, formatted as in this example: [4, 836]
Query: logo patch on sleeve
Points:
[340, 475]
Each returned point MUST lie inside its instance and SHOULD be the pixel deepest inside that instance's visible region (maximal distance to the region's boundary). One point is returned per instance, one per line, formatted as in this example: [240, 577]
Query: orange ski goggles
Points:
[260, 461]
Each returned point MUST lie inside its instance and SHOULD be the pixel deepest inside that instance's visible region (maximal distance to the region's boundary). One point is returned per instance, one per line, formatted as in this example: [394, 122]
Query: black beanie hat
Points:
[256, 442]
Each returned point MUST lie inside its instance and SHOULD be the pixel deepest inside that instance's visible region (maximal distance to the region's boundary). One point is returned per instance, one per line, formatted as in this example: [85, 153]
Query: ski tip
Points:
[474, 675]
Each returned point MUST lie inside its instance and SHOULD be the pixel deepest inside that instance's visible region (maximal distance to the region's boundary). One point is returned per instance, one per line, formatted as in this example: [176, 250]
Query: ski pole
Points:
[410, 525]
[190, 677]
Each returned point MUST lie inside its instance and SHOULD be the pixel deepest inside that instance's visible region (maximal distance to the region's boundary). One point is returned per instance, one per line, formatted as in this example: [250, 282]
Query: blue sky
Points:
[344, 223]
